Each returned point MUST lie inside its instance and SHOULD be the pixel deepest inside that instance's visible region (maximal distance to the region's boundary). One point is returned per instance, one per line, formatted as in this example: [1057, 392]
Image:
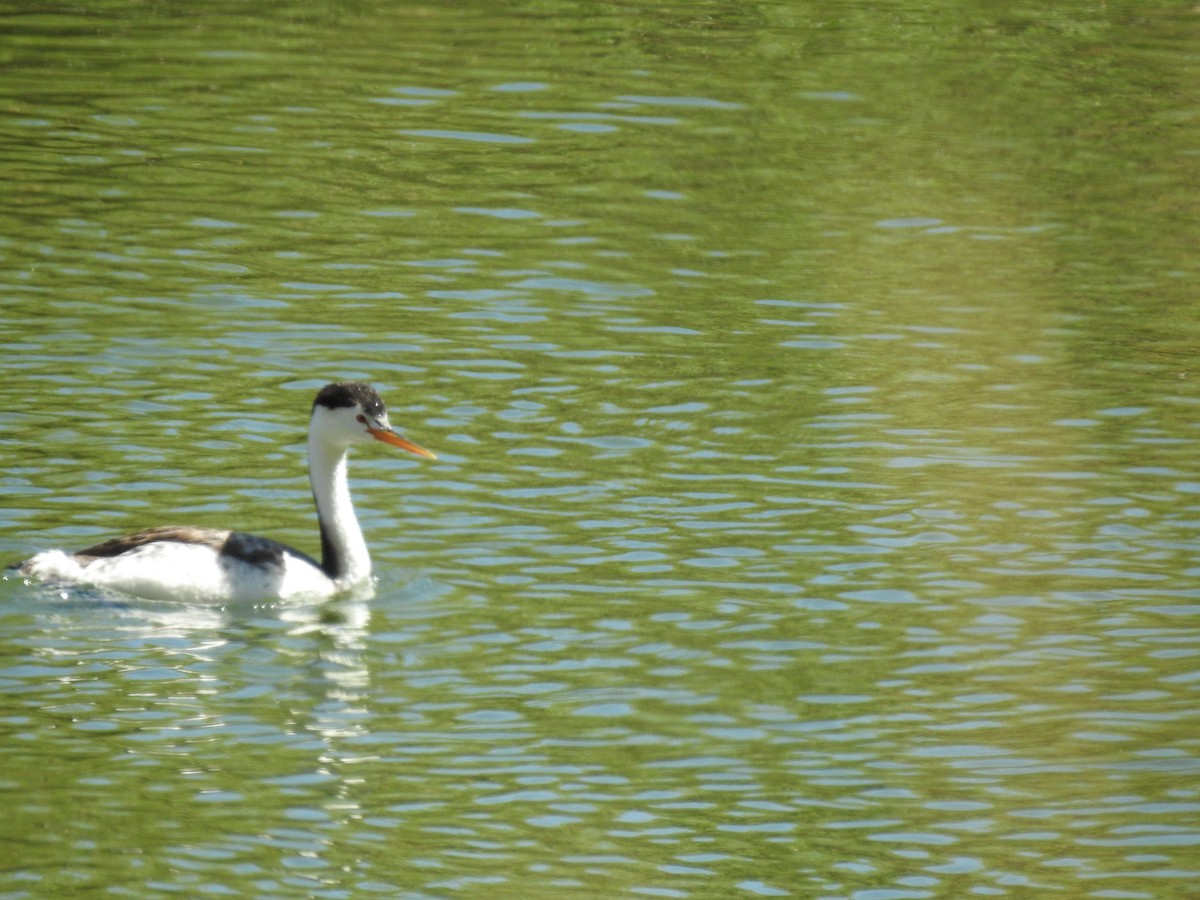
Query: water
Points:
[815, 398]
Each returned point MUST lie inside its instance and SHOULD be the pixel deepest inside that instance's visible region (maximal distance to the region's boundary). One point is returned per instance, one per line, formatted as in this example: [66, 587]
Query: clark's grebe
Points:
[181, 563]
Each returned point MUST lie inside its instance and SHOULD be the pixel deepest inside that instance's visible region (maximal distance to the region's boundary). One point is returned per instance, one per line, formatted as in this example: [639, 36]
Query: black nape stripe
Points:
[331, 562]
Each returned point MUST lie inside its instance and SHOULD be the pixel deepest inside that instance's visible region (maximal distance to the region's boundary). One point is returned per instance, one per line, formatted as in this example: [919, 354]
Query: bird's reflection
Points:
[314, 649]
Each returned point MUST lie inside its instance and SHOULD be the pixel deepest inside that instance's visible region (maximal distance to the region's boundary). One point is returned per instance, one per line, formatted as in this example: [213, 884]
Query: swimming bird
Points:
[174, 562]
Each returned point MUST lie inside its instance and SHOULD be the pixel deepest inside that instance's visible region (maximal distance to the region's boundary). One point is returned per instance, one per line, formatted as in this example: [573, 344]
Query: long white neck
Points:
[344, 554]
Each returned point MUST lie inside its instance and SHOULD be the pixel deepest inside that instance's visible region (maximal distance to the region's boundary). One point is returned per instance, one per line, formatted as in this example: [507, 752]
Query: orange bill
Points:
[390, 437]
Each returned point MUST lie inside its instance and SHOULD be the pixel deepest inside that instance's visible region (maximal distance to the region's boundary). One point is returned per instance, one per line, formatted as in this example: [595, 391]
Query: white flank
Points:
[168, 570]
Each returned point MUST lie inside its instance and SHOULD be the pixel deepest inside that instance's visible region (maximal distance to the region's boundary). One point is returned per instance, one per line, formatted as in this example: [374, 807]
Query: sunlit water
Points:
[815, 398]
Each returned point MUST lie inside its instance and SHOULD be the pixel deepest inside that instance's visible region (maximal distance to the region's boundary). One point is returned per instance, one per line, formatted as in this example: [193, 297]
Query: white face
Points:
[348, 425]
[345, 425]
[368, 423]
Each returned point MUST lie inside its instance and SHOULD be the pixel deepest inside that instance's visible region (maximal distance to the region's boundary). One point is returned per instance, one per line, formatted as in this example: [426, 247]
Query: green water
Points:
[816, 402]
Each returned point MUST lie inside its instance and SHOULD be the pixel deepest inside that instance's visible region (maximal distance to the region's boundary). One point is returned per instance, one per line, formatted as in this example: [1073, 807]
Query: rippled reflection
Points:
[814, 398]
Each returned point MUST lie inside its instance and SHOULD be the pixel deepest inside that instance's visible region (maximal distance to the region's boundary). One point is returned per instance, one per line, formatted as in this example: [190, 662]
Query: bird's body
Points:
[206, 564]
[188, 564]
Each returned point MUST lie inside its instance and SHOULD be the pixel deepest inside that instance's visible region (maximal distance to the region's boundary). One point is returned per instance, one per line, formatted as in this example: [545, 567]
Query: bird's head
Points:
[351, 412]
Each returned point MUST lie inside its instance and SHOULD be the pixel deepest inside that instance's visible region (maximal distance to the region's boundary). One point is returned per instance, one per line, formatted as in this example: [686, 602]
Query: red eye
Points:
[362, 419]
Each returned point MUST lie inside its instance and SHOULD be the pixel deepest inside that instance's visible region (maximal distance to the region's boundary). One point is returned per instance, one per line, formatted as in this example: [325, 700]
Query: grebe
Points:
[208, 564]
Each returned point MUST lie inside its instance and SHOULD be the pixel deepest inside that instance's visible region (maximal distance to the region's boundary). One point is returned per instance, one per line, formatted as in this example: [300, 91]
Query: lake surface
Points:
[818, 410]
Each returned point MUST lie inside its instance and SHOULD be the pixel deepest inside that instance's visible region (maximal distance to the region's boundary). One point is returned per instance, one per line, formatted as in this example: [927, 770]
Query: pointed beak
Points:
[390, 437]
